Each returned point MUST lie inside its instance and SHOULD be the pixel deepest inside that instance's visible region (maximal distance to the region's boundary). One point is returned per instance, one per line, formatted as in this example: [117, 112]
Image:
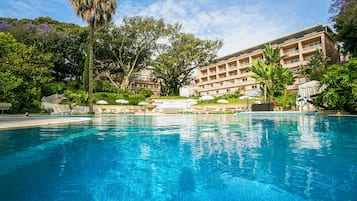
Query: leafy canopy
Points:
[345, 24]
[341, 91]
[23, 71]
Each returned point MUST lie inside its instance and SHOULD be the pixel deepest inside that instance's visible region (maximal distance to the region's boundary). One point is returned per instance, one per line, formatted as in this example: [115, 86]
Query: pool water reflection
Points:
[183, 157]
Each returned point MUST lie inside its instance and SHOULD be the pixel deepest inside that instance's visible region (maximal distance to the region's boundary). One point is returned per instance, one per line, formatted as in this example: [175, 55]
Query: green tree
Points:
[317, 66]
[66, 42]
[85, 71]
[179, 57]
[270, 74]
[96, 13]
[131, 46]
[23, 71]
[345, 24]
[272, 55]
[281, 78]
[341, 91]
[263, 74]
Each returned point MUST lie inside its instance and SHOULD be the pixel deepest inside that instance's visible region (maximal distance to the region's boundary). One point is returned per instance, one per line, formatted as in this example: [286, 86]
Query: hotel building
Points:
[231, 73]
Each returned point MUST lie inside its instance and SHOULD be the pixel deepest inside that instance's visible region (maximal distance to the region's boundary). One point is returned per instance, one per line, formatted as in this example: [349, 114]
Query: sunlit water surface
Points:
[183, 157]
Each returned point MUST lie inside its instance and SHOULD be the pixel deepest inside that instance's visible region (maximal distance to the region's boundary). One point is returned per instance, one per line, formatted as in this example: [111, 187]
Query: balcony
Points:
[242, 65]
[292, 64]
[312, 47]
[233, 67]
[222, 70]
[291, 53]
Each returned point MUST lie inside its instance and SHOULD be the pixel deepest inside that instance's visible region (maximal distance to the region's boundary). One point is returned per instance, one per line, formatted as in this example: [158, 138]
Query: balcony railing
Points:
[291, 52]
[312, 47]
[245, 64]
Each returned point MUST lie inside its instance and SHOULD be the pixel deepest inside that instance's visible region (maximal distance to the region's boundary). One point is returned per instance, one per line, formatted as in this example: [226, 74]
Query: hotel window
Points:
[232, 81]
[221, 83]
[228, 90]
[245, 79]
[254, 87]
[217, 92]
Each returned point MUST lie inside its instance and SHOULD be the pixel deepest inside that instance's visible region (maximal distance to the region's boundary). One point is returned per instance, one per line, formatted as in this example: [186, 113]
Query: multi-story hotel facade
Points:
[231, 73]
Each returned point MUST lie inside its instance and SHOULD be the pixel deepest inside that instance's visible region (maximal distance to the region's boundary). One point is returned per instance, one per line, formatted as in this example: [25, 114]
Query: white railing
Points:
[312, 47]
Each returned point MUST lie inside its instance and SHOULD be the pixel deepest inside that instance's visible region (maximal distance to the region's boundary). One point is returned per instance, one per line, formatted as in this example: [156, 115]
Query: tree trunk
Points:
[90, 70]
[111, 80]
[125, 84]
[265, 92]
[126, 81]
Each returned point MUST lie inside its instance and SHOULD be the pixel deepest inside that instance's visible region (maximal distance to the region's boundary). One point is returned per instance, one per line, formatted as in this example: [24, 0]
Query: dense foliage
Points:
[316, 67]
[129, 48]
[178, 58]
[66, 43]
[96, 13]
[341, 91]
[345, 24]
[23, 71]
[270, 74]
[64, 51]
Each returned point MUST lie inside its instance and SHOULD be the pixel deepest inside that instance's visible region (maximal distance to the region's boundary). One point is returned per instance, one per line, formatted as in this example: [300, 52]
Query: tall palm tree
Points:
[270, 74]
[96, 13]
[271, 55]
[264, 76]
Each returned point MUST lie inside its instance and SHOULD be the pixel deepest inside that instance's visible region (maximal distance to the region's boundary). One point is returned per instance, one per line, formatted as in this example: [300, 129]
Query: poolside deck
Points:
[15, 121]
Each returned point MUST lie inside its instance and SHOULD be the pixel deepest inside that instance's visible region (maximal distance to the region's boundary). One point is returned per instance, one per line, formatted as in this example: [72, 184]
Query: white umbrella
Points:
[245, 97]
[102, 102]
[143, 103]
[206, 98]
[222, 101]
[253, 93]
[122, 101]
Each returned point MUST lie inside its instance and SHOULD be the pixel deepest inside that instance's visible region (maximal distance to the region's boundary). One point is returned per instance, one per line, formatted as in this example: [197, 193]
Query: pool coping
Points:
[17, 122]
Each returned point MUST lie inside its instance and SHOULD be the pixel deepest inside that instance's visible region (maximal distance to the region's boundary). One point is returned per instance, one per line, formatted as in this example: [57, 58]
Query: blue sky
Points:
[239, 23]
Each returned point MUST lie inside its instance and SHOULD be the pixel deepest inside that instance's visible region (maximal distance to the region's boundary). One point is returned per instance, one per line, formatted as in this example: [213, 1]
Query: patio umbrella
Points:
[222, 101]
[122, 101]
[253, 93]
[206, 98]
[143, 103]
[102, 102]
[247, 98]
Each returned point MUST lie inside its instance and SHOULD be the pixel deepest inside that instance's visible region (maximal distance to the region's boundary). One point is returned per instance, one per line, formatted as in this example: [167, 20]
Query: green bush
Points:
[146, 92]
[287, 100]
[75, 98]
[133, 99]
[100, 85]
[53, 88]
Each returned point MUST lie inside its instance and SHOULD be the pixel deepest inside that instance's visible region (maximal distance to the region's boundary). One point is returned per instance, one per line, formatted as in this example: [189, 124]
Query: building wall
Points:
[230, 72]
[144, 79]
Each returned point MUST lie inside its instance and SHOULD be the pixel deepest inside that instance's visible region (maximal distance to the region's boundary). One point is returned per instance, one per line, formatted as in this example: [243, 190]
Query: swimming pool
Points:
[183, 157]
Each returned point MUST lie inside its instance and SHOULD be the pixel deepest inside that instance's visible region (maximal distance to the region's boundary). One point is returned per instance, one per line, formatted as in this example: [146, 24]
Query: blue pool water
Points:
[183, 157]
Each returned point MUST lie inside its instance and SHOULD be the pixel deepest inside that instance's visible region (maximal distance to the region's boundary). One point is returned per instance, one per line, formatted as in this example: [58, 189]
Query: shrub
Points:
[145, 92]
[53, 88]
[133, 99]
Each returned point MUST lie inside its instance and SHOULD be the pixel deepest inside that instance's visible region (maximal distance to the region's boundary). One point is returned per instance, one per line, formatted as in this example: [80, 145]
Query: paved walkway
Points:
[12, 122]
